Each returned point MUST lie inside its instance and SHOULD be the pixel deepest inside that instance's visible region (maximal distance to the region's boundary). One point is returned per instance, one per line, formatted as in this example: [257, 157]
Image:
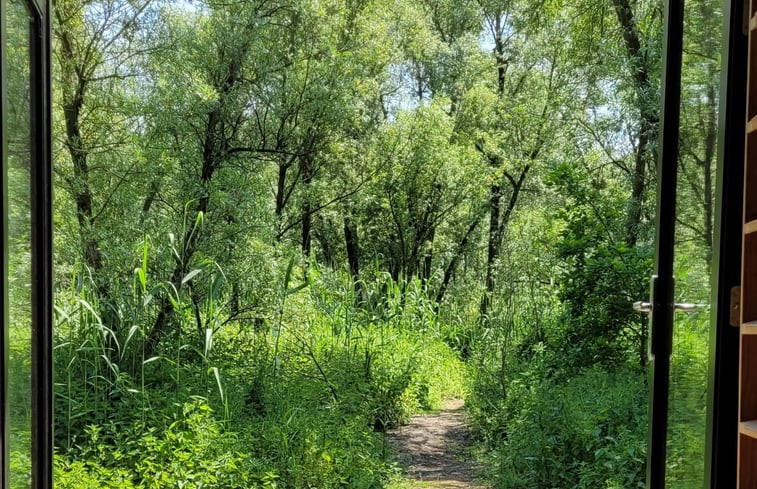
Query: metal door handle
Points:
[645, 307]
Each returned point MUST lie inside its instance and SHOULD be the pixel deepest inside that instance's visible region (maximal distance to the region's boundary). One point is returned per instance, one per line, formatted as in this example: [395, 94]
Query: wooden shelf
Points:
[748, 428]
[753, 23]
[751, 126]
[749, 328]
[750, 227]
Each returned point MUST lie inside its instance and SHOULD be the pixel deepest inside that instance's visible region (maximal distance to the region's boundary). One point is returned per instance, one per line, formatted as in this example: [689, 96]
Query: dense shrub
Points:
[586, 432]
[297, 403]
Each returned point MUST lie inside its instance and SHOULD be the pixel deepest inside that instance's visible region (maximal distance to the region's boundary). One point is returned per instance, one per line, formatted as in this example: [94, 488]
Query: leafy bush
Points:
[586, 432]
[295, 404]
[193, 452]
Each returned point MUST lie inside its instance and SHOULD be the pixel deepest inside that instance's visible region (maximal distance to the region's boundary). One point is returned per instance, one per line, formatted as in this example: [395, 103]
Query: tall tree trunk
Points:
[495, 191]
[449, 271]
[306, 172]
[499, 54]
[281, 191]
[646, 96]
[74, 87]
[708, 161]
[187, 251]
[498, 227]
[81, 53]
[492, 251]
[428, 256]
[214, 151]
[307, 224]
[234, 306]
[154, 189]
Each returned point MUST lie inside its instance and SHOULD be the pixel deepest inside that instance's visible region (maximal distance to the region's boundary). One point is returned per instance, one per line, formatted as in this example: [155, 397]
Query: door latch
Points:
[686, 307]
[735, 316]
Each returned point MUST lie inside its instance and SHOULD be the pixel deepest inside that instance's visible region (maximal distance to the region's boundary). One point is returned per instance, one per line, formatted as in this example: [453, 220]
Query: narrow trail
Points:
[435, 449]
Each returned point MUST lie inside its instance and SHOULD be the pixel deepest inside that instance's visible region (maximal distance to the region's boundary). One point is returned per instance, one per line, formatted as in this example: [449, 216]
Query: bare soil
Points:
[435, 449]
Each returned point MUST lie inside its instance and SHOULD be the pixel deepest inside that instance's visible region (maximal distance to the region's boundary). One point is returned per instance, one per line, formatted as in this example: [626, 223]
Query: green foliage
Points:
[191, 452]
[280, 226]
[603, 275]
[289, 406]
[588, 431]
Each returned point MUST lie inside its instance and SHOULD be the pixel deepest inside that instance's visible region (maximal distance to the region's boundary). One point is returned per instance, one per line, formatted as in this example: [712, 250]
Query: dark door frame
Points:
[723, 375]
[41, 251]
[722, 403]
[661, 324]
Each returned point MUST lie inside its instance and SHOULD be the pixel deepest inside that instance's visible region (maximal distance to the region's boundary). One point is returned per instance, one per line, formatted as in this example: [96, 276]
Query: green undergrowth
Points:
[586, 431]
[297, 400]
[552, 424]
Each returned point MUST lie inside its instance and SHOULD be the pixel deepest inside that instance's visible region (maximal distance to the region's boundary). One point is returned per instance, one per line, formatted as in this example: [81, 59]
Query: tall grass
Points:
[299, 402]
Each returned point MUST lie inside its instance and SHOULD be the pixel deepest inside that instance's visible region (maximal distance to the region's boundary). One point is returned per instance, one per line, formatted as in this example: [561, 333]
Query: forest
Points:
[282, 227]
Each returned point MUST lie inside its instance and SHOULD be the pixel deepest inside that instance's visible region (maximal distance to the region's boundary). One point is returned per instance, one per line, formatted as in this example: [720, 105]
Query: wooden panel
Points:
[747, 462]
[748, 376]
[749, 280]
[750, 178]
[752, 77]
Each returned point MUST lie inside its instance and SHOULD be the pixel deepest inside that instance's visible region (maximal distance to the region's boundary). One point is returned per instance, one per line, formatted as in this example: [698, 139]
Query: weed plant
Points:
[296, 400]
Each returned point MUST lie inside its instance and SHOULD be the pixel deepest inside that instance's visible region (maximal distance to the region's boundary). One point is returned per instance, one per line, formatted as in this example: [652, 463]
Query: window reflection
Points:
[18, 174]
[694, 238]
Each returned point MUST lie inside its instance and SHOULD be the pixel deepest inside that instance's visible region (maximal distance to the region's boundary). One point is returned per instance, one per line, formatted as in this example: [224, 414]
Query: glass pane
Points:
[695, 211]
[18, 167]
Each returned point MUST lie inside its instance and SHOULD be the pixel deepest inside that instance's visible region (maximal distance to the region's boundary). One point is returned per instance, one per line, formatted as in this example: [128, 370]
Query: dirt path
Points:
[435, 449]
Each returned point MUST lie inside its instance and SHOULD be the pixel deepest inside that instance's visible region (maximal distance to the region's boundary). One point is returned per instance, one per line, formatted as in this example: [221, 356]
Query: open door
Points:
[661, 304]
[707, 406]
[27, 286]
